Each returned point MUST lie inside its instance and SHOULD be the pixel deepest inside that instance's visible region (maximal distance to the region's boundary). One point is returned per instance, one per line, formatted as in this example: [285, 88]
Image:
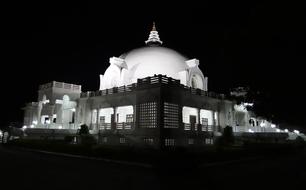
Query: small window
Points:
[72, 117]
[147, 115]
[104, 139]
[204, 122]
[129, 118]
[102, 119]
[169, 142]
[190, 141]
[122, 140]
[148, 140]
[47, 121]
[171, 115]
[209, 141]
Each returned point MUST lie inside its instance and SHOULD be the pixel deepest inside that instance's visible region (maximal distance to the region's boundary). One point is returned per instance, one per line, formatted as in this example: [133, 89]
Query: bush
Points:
[84, 130]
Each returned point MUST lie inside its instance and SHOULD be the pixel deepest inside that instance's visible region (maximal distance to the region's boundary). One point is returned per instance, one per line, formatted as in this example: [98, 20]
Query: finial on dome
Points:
[154, 37]
[154, 27]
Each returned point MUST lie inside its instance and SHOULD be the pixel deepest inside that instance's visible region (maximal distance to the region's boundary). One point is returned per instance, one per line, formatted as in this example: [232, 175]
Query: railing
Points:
[190, 127]
[56, 126]
[121, 89]
[119, 126]
[124, 125]
[187, 126]
[158, 79]
[148, 81]
[50, 131]
[208, 128]
[105, 126]
[60, 85]
[194, 127]
[254, 129]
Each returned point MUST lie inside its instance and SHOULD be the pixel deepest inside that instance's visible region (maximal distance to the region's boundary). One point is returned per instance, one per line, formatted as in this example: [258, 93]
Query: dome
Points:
[148, 61]
[151, 60]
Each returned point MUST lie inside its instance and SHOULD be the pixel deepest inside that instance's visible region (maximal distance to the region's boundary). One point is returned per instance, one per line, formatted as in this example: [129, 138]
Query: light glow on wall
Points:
[32, 126]
[273, 125]
[24, 127]
[122, 111]
[107, 113]
[34, 122]
[189, 111]
[60, 127]
[207, 114]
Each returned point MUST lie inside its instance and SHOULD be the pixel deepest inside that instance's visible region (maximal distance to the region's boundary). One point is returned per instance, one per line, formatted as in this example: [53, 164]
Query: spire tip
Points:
[153, 37]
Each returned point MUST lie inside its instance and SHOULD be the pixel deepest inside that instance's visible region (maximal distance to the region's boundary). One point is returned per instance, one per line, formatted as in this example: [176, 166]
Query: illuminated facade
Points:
[150, 96]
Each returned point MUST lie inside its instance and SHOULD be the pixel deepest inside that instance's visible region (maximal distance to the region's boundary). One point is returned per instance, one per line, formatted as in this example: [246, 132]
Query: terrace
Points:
[150, 82]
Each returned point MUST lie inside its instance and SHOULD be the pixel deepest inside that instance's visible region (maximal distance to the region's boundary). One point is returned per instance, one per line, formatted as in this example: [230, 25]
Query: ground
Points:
[24, 169]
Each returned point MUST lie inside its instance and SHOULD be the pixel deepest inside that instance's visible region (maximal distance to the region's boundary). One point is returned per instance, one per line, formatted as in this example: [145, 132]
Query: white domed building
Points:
[151, 60]
[149, 96]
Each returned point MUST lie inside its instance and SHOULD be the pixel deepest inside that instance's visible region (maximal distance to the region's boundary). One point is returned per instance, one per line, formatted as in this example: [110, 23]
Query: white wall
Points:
[216, 118]
[94, 116]
[187, 111]
[122, 111]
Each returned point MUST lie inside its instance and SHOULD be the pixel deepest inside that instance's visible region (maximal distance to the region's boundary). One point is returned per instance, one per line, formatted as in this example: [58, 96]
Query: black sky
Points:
[259, 45]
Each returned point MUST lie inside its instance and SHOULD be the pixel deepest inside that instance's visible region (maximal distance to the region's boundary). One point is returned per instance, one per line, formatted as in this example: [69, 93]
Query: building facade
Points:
[150, 96]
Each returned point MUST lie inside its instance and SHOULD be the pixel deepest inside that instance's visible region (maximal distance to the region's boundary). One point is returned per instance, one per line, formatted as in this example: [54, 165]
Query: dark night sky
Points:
[259, 45]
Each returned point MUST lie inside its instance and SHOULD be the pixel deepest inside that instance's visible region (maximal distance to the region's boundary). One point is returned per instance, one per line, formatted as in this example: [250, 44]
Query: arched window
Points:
[196, 81]
[193, 82]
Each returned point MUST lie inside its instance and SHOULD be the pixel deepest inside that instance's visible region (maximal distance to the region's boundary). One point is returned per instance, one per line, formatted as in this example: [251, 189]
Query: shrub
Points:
[84, 130]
